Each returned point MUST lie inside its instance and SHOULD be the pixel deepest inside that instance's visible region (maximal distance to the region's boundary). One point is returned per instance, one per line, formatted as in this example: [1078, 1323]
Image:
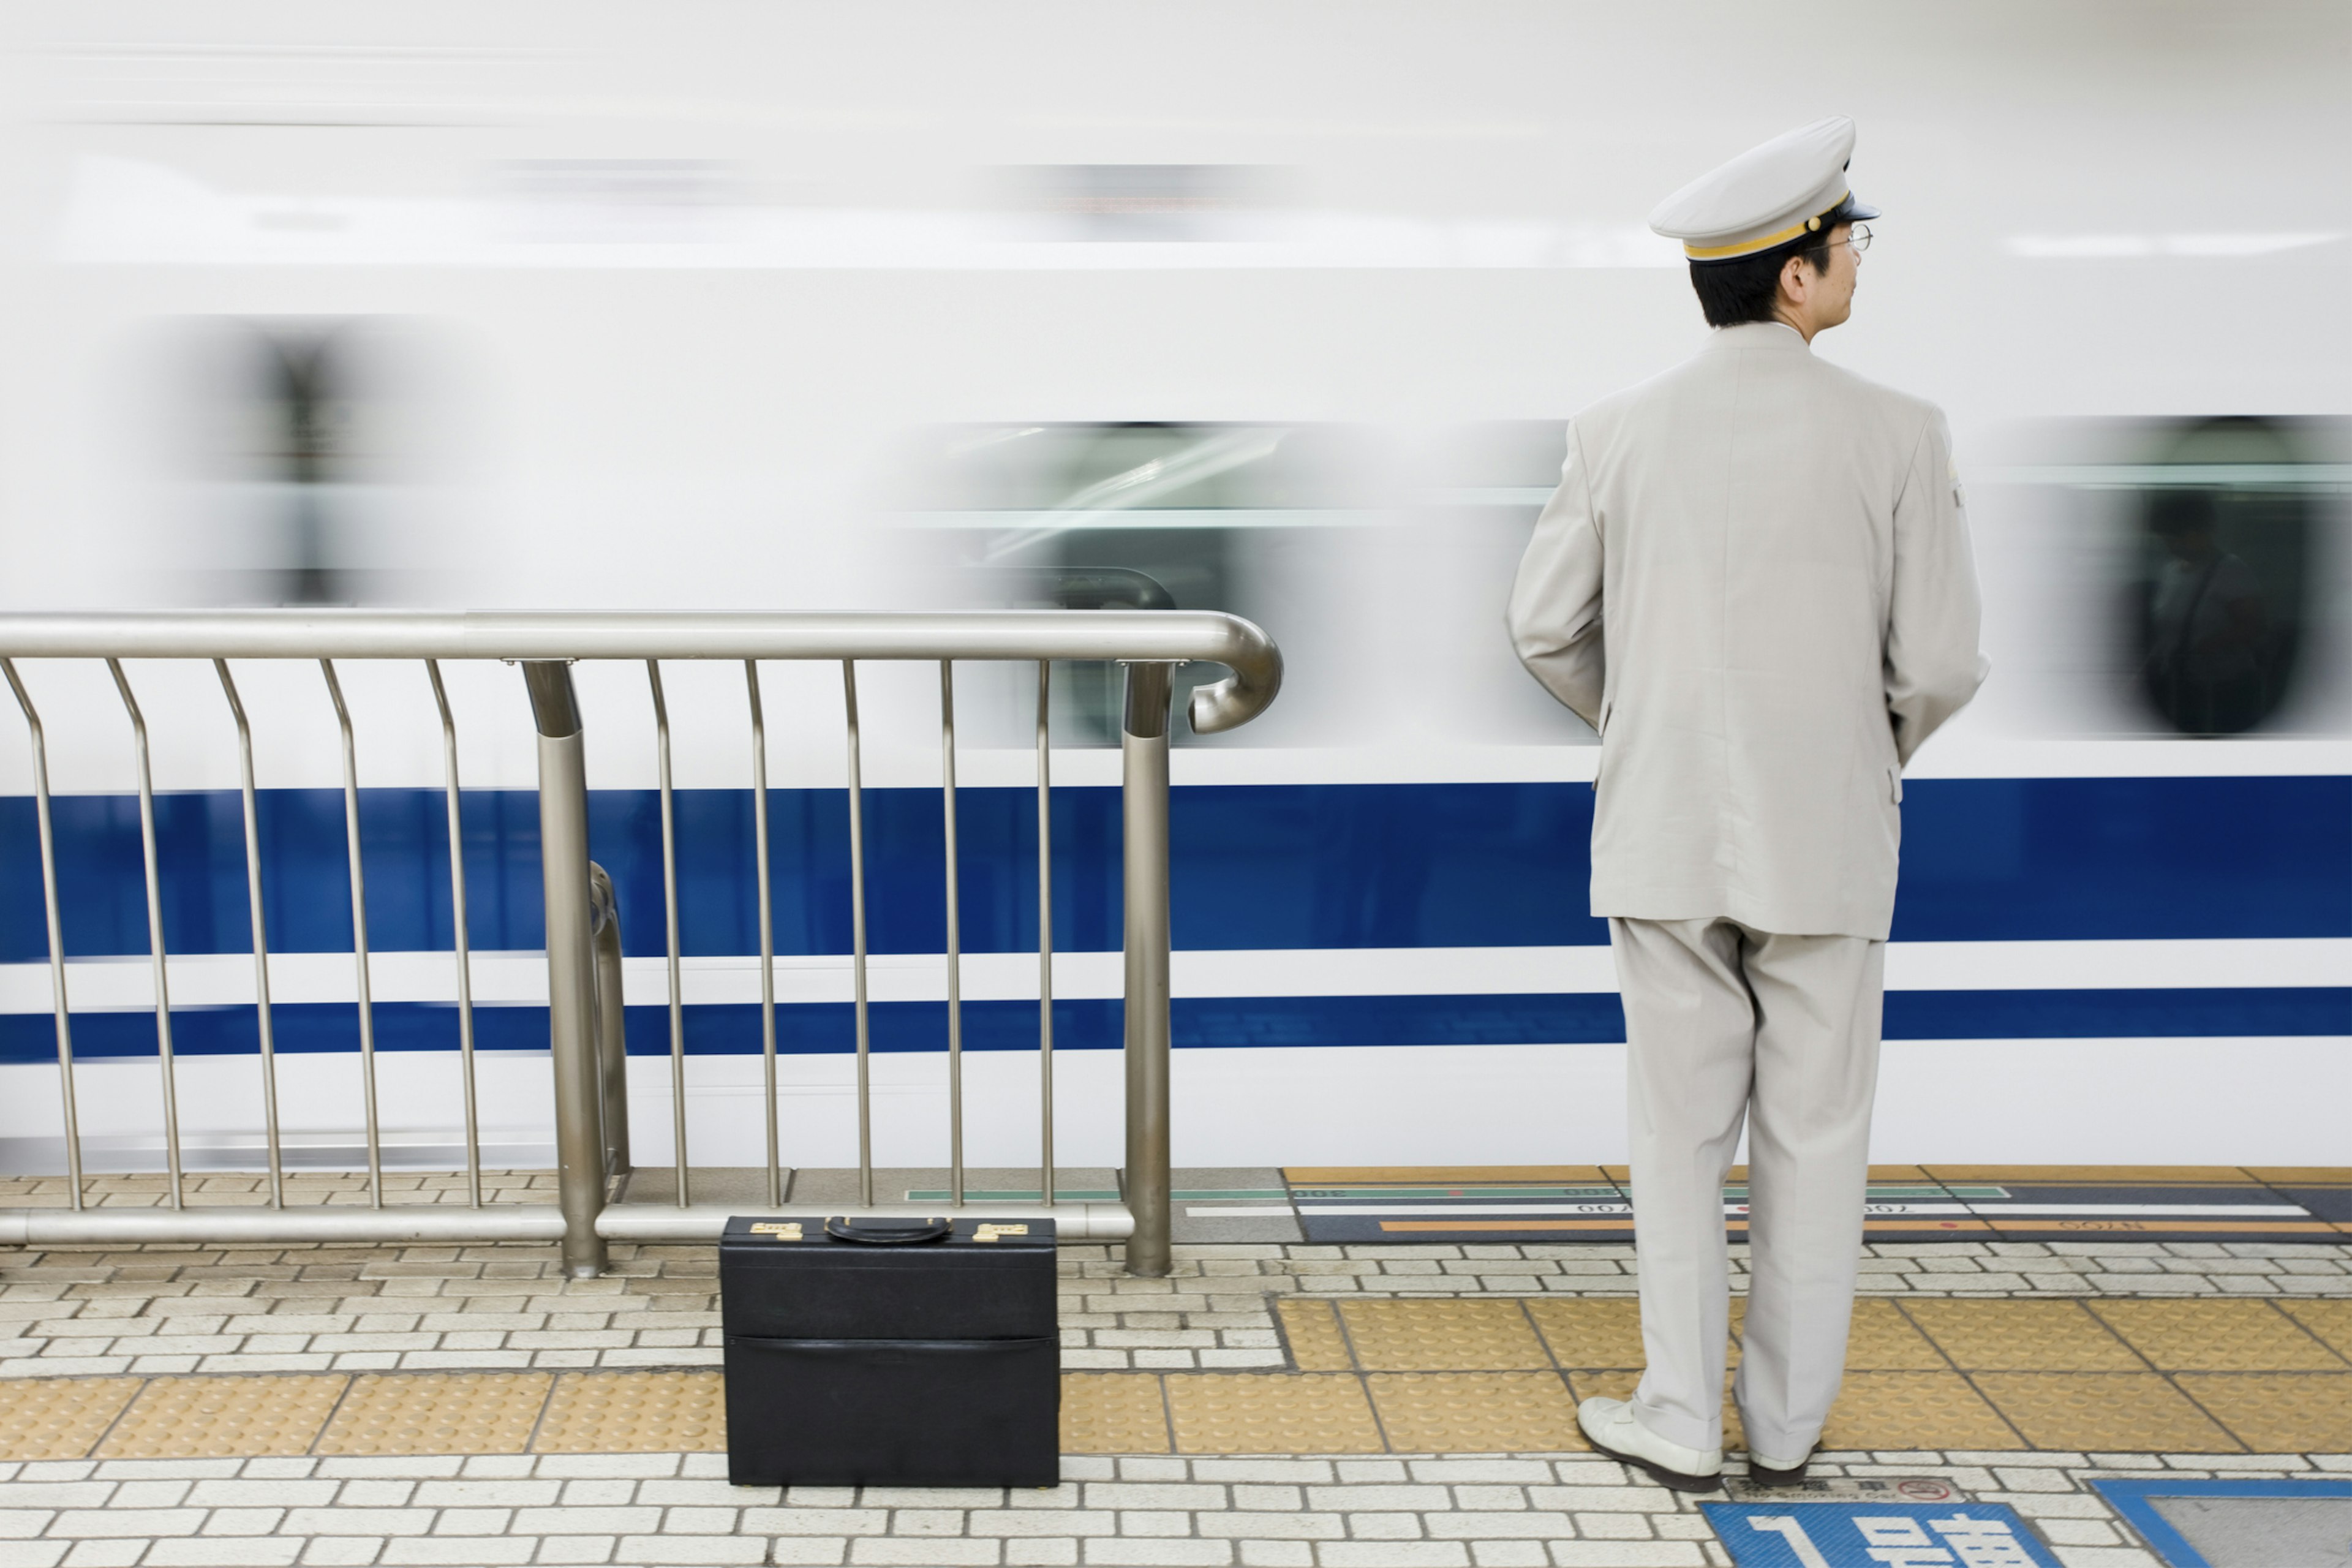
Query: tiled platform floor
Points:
[1346, 1406]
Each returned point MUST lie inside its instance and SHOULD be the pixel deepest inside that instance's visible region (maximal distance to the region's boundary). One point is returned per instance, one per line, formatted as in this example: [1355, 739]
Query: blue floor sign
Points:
[1876, 1535]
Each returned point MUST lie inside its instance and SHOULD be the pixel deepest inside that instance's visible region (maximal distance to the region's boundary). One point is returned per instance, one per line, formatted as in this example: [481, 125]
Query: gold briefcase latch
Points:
[787, 1230]
[991, 1232]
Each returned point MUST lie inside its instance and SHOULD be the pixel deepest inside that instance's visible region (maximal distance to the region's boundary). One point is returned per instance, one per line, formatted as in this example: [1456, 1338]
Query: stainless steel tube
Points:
[612, 1019]
[1143, 798]
[767, 931]
[669, 916]
[267, 1031]
[463, 943]
[358, 935]
[571, 971]
[1044, 935]
[155, 933]
[857, 941]
[1157, 635]
[57, 930]
[955, 940]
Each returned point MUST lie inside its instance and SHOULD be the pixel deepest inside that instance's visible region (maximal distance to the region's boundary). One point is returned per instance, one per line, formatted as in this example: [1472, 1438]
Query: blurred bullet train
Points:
[1276, 310]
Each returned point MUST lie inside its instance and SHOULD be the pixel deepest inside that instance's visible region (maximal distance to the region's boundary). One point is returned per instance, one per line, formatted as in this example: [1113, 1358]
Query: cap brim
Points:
[1856, 211]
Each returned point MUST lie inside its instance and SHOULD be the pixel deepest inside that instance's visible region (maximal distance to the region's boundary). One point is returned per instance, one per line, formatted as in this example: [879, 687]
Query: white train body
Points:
[800, 307]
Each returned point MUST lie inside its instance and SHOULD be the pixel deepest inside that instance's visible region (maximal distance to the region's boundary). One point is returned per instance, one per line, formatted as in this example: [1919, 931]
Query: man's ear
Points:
[1792, 288]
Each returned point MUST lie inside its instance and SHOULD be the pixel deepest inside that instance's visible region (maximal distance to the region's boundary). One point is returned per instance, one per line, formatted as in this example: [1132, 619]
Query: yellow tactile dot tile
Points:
[1442, 1336]
[634, 1413]
[1113, 1413]
[1593, 1332]
[1914, 1410]
[223, 1418]
[438, 1413]
[2278, 1413]
[58, 1418]
[1245, 1413]
[1476, 1412]
[2217, 1336]
[1883, 1339]
[1312, 1328]
[2330, 1320]
[2023, 1336]
[2110, 1412]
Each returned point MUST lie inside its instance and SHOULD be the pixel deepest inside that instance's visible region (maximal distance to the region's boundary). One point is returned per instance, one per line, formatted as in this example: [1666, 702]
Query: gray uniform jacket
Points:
[1755, 582]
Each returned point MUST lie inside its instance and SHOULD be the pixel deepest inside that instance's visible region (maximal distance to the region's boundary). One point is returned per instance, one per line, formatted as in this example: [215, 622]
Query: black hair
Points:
[2171, 513]
[1747, 288]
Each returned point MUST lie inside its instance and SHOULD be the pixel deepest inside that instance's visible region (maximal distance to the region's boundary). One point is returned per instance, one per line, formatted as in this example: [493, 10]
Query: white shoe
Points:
[1610, 1426]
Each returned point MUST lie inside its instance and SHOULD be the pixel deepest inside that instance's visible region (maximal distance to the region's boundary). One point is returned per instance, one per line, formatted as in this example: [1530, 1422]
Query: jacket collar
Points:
[1759, 335]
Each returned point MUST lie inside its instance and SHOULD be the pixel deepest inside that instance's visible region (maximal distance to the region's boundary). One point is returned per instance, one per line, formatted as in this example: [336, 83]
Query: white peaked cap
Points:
[1767, 196]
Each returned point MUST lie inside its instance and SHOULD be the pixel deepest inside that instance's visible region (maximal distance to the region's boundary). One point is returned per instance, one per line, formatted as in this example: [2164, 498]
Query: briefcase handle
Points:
[889, 1232]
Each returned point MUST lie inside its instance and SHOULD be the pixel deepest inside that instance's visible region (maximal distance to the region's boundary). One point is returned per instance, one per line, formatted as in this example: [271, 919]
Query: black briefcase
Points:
[897, 1352]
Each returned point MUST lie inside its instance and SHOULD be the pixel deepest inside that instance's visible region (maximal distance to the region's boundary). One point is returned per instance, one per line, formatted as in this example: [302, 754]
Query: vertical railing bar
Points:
[955, 939]
[669, 903]
[359, 934]
[155, 933]
[1044, 937]
[767, 928]
[57, 928]
[464, 946]
[264, 1024]
[857, 943]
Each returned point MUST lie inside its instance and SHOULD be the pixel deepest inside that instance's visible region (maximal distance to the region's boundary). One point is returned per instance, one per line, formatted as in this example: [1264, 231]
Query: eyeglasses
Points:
[1858, 236]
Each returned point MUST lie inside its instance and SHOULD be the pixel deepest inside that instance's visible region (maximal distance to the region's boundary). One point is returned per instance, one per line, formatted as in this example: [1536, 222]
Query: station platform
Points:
[1274, 1402]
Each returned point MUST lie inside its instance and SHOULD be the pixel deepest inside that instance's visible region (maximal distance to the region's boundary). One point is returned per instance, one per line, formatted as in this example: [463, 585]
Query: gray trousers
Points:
[1723, 1024]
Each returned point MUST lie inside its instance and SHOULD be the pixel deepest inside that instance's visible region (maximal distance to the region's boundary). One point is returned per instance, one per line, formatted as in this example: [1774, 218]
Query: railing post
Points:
[570, 964]
[1143, 796]
[612, 1021]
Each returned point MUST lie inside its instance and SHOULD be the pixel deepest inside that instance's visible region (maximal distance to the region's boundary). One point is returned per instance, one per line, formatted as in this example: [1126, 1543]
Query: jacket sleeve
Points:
[1555, 611]
[1932, 663]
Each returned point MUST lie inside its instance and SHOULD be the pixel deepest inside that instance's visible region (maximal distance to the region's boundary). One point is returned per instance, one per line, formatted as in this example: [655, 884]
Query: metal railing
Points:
[586, 1032]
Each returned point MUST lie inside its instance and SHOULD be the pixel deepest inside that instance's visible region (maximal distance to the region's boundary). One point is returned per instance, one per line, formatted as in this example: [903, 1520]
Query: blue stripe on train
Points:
[1328, 866]
[730, 1030]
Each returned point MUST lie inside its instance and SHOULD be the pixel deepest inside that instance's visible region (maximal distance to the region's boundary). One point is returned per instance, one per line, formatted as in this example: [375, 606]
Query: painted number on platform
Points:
[1874, 1535]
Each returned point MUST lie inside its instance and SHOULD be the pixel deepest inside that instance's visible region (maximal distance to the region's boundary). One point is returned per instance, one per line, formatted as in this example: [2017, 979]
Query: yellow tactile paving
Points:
[1883, 1339]
[2109, 1412]
[223, 1418]
[2217, 1336]
[1591, 1331]
[2330, 1320]
[1313, 1330]
[2023, 1336]
[634, 1413]
[2095, 1176]
[2303, 1175]
[1113, 1413]
[446, 1412]
[1442, 1336]
[1914, 1410]
[1476, 1411]
[60, 1418]
[2278, 1414]
[1314, 1414]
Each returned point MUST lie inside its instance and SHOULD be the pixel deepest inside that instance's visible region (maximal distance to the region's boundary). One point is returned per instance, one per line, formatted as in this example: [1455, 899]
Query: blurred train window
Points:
[2217, 609]
[304, 453]
[1161, 515]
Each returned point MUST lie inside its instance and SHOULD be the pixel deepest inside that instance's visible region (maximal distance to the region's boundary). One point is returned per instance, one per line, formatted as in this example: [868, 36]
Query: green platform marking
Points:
[1030, 1194]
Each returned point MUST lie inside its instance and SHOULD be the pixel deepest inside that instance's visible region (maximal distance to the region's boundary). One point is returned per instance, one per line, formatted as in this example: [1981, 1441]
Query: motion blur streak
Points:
[1272, 309]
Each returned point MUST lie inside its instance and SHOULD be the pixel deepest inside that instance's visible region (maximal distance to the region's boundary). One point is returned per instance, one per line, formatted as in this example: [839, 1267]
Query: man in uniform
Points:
[1755, 582]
